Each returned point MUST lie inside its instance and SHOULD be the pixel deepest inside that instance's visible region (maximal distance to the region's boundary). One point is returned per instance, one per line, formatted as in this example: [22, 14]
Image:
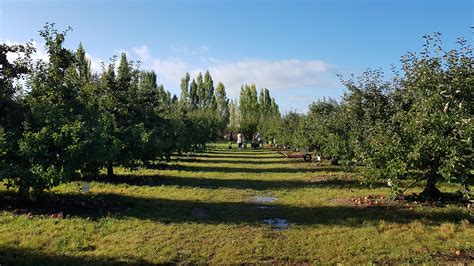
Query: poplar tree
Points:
[222, 105]
[83, 64]
[193, 95]
[184, 98]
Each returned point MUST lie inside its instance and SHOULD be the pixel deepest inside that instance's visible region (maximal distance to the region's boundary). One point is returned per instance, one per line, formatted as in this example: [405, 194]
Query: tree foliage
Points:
[70, 123]
[59, 121]
[418, 125]
[257, 112]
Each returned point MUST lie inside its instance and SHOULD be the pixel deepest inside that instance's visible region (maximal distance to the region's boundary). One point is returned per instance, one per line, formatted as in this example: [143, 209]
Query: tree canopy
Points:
[59, 121]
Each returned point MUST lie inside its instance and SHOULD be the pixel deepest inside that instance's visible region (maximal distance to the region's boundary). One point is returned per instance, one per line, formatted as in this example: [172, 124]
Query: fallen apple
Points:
[457, 252]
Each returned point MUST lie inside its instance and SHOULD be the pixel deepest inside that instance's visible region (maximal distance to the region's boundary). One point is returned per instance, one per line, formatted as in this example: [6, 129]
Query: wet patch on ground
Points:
[277, 223]
[264, 199]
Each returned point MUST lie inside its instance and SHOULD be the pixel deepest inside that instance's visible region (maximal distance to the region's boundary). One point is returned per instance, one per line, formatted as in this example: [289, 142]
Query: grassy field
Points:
[205, 209]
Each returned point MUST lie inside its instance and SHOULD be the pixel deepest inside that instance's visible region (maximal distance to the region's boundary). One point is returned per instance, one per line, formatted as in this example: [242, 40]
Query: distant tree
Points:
[269, 115]
[222, 104]
[185, 89]
[193, 95]
[208, 99]
[83, 65]
[201, 91]
[154, 113]
[249, 110]
[290, 127]
[234, 116]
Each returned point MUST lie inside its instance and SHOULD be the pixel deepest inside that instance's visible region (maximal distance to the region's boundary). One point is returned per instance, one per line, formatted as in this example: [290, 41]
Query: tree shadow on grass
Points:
[221, 169]
[20, 256]
[242, 161]
[184, 211]
[243, 152]
[215, 183]
[234, 156]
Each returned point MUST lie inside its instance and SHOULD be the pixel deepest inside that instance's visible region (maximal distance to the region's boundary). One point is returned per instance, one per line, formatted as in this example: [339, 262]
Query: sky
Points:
[293, 48]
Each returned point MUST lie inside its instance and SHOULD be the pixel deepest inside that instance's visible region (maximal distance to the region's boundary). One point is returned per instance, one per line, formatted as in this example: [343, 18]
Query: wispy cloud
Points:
[275, 75]
[96, 63]
[292, 77]
[169, 70]
[40, 53]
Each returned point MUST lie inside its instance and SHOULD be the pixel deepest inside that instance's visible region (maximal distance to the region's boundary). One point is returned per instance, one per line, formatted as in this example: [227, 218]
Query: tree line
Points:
[70, 123]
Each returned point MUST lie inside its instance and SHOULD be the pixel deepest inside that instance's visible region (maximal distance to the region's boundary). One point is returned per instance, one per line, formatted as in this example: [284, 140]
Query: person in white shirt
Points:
[240, 140]
[259, 139]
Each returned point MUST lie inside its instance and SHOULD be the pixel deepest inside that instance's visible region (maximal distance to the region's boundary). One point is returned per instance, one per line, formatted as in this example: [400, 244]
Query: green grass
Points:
[201, 210]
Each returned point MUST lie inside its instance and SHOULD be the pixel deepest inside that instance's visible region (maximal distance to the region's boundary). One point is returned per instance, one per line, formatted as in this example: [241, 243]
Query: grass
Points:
[201, 210]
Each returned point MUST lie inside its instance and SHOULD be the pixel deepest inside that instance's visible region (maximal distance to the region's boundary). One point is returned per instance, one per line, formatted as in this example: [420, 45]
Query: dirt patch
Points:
[463, 257]
[334, 177]
[403, 202]
[367, 201]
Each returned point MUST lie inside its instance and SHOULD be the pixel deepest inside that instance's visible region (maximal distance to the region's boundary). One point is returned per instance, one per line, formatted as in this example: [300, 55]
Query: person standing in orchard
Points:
[240, 139]
[259, 139]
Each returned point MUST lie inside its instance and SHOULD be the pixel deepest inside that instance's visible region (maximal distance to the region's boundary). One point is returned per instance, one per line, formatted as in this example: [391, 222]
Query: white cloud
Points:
[142, 52]
[118, 52]
[169, 71]
[96, 63]
[295, 82]
[40, 53]
[275, 75]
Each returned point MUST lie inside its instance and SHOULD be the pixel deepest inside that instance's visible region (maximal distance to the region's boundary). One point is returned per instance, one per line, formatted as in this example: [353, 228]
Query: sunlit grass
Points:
[201, 210]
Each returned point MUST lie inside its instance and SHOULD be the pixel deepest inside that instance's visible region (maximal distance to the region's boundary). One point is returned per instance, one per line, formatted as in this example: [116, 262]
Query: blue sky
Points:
[294, 48]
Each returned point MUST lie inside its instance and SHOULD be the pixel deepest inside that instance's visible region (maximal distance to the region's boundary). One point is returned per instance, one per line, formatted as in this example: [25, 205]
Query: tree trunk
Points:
[110, 170]
[431, 192]
[23, 192]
